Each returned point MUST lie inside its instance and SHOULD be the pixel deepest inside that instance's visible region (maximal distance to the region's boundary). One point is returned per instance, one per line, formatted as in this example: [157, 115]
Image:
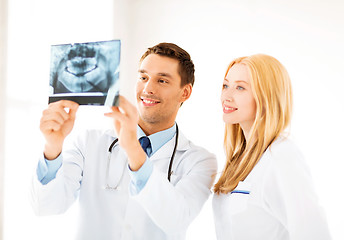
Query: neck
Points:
[247, 137]
[246, 128]
[151, 128]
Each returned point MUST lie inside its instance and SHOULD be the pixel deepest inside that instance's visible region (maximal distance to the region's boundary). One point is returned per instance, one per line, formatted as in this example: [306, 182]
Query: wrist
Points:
[52, 152]
[136, 157]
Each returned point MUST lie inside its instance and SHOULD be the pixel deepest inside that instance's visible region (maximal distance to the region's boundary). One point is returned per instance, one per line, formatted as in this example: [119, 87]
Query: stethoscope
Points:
[169, 173]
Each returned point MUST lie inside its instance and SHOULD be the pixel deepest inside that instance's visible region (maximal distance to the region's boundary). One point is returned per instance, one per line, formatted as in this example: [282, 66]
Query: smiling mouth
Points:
[149, 102]
[229, 109]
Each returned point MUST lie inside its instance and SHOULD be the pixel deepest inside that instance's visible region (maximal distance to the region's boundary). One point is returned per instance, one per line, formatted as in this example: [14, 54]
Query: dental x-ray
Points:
[87, 73]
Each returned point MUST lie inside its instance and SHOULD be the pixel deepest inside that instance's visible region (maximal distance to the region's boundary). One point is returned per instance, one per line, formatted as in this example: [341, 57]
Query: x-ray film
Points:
[87, 73]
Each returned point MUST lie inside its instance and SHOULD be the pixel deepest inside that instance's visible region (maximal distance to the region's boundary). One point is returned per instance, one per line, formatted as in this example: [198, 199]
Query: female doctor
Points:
[265, 189]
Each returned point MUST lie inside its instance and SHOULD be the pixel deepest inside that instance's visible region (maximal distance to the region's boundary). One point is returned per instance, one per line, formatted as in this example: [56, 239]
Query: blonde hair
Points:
[271, 87]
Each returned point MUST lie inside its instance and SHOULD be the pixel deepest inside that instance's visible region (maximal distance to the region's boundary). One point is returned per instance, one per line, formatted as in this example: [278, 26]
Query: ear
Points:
[187, 90]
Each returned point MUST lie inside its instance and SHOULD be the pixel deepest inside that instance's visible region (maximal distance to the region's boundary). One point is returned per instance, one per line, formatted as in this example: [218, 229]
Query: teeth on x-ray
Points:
[81, 60]
[85, 68]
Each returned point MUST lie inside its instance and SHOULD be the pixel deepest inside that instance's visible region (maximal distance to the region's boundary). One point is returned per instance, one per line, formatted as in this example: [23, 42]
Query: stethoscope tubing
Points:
[169, 173]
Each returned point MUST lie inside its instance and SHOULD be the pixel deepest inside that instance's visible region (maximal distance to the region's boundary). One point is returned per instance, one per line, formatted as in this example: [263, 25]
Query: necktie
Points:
[145, 143]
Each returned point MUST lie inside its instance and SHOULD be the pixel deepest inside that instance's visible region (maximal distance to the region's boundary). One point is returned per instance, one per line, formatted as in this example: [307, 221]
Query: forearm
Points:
[49, 199]
[46, 170]
[136, 156]
[59, 193]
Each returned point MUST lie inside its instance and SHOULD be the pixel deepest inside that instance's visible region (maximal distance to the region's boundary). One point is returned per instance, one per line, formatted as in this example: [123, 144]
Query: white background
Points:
[306, 36]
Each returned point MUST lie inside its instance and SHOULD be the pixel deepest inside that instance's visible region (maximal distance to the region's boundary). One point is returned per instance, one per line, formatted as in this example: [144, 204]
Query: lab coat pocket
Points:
[238, 198]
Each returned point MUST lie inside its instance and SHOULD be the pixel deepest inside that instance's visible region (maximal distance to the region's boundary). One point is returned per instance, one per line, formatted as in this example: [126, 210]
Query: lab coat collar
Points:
[158, 139]
[166, 150]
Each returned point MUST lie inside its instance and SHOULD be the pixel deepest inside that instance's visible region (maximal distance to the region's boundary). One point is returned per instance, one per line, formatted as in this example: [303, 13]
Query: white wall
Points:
[3, 70]
[33, 26]
[306, 36]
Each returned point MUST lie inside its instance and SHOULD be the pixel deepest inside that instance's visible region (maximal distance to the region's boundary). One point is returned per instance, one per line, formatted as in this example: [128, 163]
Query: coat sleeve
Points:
[289, 194]
[173, 206]
[58, 195]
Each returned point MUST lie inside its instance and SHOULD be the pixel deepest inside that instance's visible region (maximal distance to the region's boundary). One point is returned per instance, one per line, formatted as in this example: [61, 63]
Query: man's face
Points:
[158, 91]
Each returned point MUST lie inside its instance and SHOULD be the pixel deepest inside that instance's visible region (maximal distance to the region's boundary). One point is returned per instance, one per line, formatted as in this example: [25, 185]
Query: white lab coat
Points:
[281, 205]
[162, 210]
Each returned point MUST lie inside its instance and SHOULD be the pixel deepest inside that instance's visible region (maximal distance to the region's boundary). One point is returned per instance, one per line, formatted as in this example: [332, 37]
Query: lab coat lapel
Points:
[166, 150]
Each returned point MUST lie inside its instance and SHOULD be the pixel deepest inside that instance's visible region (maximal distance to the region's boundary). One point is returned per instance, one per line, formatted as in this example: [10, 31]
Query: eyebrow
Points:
[237, 81]
[241, 81]
[162, 74]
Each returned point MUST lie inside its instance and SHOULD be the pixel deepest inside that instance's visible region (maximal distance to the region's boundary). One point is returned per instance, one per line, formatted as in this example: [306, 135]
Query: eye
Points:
[162, 81]
[224, 86]
[240, 88]
[143, 78]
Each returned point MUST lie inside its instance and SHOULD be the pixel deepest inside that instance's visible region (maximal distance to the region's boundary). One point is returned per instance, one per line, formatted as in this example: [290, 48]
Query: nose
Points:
[148, 87]
[229, 99]
[227, 95]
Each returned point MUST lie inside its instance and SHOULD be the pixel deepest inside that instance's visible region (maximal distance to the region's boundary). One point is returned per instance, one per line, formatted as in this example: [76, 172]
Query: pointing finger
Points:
[127, 107]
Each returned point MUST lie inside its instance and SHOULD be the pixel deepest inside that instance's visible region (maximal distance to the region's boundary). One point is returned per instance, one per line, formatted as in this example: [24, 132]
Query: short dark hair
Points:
[186, 67]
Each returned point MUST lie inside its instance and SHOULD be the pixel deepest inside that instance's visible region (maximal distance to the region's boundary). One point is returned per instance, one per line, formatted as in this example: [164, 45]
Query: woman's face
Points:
[238, 104]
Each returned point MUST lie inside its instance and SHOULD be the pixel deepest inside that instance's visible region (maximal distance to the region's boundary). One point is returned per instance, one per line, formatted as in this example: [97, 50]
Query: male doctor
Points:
[127, 191]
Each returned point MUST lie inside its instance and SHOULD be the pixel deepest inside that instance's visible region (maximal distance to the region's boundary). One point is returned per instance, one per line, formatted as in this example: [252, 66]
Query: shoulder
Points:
[100, 133]
[91, 136]
[285, 158]
[192, 154]
[284, 147]
[189, 147]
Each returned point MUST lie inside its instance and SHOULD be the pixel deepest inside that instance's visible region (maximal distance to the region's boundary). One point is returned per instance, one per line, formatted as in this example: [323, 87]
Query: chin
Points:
[148, 118]
[229, 121]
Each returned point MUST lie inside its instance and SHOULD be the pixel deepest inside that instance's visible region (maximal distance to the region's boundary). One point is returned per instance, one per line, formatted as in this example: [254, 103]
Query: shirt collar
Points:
[158, 139]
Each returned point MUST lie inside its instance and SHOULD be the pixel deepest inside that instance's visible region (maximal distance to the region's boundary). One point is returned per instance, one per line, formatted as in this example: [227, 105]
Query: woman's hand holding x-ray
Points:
[125, 121]
[56, 123]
